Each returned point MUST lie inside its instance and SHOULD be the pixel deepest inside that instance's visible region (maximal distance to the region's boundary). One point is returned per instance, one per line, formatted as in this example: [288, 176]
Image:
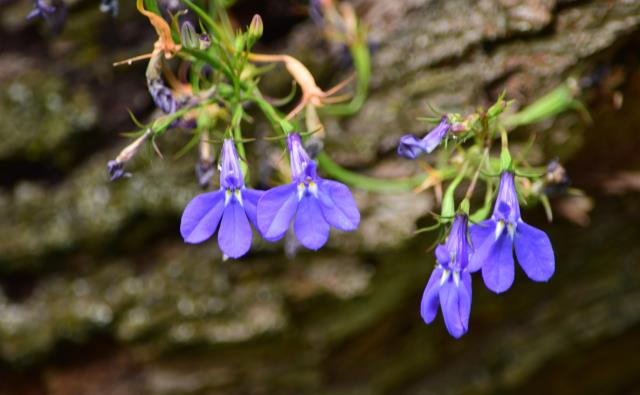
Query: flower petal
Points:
[433, 139]
[337, 205]
[410, 146]
[250, 198]
[309, 225]
[498, 269]
[482, 240]
[201, 217]
[430, 297]
[275, 208]
[456, 305]
[534, 252]
[465, 277]
[442, 255]
[234, 237]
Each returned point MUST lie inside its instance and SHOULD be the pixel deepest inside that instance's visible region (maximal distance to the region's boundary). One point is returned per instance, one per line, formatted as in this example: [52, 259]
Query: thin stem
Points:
[365, 182]
[474, 180]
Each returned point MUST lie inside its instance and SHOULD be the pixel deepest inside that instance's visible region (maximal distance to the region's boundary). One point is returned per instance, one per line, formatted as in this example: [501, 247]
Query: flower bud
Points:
[256, 27]
[188, 36]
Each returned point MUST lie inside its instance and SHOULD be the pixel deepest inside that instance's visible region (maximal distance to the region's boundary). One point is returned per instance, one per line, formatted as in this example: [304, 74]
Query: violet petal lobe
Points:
[465, 278]
[250, 198]
[432, 140]
[410, 146]
[310, 227]
[442, 254]
[482, 239]
[455, 301]
[234, 237]
[534, 252]
[498, 269]
[431, 297]
[276, 207]
[201, 217]
[337, 205]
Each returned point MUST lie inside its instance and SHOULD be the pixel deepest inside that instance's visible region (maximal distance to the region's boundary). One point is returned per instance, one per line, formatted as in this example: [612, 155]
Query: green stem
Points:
[368, 183]
[558, 100]
[362, 62]
[207, 58]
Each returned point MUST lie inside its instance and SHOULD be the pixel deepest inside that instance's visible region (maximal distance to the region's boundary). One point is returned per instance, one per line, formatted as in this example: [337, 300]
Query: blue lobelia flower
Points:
[411, 147]
[229, 207]
[450, 283]
[494, 240]
[53, 12]
[41, 9]
[315, 203]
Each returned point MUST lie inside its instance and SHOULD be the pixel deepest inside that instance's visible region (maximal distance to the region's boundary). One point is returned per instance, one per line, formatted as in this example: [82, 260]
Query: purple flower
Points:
[116, 170]
[494, 240]
[54, 13]
[162, 96]
[450, 283]
[41, 9]
[228, 207]
[315, 203]
[411, 147]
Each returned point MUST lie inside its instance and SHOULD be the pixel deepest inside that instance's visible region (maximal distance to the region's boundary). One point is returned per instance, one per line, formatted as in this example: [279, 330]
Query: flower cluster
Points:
[487, 246]
[222, 86]
[312, 203]
[215, 91]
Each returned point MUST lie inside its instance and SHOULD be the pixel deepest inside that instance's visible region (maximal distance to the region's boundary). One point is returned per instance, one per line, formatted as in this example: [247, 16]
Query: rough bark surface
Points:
[100, 295]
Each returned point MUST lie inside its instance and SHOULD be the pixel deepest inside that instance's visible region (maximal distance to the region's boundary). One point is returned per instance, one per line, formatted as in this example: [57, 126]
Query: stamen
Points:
[456, 278]
[238, 194]
[511, 229]
[301, 190]
[445, 277]
[227, 196]
[313, 188]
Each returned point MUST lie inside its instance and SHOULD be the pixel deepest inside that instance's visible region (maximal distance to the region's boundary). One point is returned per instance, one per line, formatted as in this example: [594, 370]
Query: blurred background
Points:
[99, 295]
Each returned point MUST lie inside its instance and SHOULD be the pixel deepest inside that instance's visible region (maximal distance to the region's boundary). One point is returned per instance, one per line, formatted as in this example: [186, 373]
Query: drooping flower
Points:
[116, 167]
[312, 202]
[450, 283]
[41, 9]
[54, 13]
[160, 93]
[228, 207]
[494, 240]
[411, 147]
